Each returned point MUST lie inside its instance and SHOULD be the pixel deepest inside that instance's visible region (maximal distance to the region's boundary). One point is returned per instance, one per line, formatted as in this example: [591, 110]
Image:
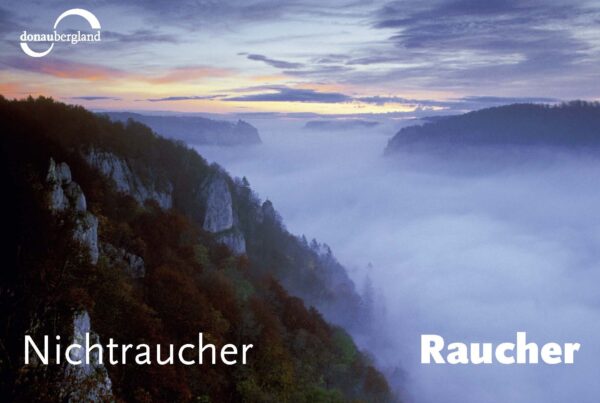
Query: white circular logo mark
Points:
[88, 16]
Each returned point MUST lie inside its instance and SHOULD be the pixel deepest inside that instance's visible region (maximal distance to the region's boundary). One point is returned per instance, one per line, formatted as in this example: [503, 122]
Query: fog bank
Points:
[474, 249]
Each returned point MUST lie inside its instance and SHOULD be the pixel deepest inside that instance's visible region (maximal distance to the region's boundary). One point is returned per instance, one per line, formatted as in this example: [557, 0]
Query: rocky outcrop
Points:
[126, 181]
[219, 217]
[66, 195]
[234, 239]
[243, 133]
[219, 210]
[132, 264]
[89, 381]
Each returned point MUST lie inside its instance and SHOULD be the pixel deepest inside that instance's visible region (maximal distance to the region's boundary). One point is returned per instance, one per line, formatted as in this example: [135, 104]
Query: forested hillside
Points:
[573, 124]
[138, 231]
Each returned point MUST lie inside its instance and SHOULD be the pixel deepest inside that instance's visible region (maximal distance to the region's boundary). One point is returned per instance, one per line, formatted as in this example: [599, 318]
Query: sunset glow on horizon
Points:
[305, 57]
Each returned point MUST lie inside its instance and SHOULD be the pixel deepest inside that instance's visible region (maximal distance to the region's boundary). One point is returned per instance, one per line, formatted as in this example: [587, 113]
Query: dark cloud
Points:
[520, 47]
[185, 98]
[8, 22]
[367, 60]
[401, 14]
[533, 29]
[424, 107]
[382, 100]
[196, 14]
[331, 59]
[285, 94]
[324, 71]
[469, 102]
[280, 64]
[321, 67]
[94, 98]
[224, 14]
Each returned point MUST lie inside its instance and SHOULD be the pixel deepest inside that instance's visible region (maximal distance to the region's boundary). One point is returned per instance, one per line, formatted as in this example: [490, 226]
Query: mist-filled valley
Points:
[474, 246]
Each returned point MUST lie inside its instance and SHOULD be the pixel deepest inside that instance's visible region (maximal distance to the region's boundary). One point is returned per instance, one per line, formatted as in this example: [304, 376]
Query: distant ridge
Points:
[195, 130]
[572, 124]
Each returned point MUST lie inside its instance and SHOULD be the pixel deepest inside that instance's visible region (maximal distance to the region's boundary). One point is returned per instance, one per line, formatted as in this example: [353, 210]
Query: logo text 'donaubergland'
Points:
[54, 36]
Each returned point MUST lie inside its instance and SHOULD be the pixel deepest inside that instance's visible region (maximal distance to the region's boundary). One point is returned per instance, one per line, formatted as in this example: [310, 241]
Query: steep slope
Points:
[195, 129]
[574, 124]
[155, 272]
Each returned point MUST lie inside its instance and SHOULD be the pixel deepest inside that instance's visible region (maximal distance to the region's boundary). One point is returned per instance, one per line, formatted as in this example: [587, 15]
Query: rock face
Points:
[219, 210]
[235, 240]
[89, 381]
[133, 264]
[219, 217]
[67, 195]
[126, 181]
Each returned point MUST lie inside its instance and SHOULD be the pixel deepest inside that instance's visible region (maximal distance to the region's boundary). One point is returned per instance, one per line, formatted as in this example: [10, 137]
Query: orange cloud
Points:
[64, 68]
[10, 89]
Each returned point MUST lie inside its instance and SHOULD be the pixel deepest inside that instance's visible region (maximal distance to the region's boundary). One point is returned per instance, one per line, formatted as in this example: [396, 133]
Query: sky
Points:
[337, 58]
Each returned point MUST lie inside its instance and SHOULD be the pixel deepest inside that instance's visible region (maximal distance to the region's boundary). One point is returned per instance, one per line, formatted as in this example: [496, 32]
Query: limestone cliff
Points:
[234, 239]
[89, 381]
[219, 210]
[126, 181]
[219, 217]
[215, 195]
[65, 194]
[131, 263]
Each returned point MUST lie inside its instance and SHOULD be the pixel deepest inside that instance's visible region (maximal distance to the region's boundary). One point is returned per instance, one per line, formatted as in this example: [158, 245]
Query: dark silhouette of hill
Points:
[572, 124]
[195, 129]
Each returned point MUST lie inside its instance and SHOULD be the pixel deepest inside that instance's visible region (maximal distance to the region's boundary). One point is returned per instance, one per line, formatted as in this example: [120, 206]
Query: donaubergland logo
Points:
[73, 37]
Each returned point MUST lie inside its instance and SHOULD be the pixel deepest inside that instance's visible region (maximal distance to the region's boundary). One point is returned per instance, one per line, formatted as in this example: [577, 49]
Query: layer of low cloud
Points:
[474, 248]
